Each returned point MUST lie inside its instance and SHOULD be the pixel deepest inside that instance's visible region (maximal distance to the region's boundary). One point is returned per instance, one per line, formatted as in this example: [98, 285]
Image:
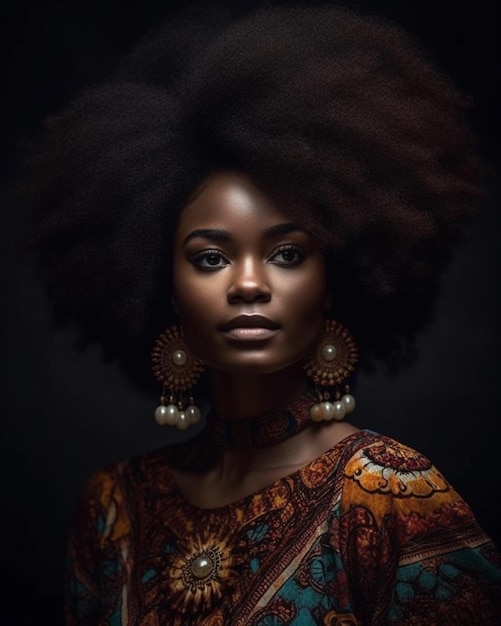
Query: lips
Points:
[250, 321]
[250, 328]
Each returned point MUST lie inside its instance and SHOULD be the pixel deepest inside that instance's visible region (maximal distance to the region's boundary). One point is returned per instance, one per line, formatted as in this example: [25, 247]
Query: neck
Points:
[245, 468]
[250, 396]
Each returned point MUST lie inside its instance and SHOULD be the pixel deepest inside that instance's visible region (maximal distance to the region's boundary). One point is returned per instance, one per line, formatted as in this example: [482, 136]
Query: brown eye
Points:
[288, 255]
[209, 260]
[213, 259]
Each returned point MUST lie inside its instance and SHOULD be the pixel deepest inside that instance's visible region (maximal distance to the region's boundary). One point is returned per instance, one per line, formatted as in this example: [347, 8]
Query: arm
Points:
[413, 550]
[94, 565]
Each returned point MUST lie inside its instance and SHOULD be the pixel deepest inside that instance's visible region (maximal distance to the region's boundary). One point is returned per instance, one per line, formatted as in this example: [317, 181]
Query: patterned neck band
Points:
[265, 431]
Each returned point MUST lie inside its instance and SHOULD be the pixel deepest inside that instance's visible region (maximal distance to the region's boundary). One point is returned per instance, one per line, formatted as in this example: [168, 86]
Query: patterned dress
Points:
[368, 533]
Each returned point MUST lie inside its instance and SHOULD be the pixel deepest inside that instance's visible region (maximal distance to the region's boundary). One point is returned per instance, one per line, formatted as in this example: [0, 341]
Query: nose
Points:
[249, 282]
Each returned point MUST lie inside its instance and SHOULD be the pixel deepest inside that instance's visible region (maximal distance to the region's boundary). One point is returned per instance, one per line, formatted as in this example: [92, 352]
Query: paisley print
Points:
[369, 533]
[401, 472]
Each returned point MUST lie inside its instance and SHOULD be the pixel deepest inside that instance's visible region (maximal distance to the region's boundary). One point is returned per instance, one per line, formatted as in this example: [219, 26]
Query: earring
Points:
[329, 364]
[177, 370]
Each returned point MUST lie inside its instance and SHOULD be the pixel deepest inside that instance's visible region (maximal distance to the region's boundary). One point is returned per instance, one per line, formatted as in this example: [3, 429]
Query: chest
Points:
[272, 557]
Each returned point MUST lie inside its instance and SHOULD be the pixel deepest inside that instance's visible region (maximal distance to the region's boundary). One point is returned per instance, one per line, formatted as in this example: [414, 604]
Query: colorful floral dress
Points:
[368, 533]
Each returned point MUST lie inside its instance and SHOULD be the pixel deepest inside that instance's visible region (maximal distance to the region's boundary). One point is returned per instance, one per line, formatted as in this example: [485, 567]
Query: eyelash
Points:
[198, 259]
[299, 254]
[202, 256]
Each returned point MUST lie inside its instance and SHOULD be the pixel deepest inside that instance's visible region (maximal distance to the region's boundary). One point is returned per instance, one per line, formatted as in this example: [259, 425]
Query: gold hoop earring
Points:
[178, 371]
[329, 364]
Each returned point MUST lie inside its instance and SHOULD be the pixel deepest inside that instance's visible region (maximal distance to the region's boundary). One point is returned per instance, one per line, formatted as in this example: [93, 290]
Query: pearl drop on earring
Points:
[194, 414]
[183, 421]
[166, 415]
[327, 410]
[171, 415]
[337, 410]
[161, 415]
[316, 413]
[349, 402]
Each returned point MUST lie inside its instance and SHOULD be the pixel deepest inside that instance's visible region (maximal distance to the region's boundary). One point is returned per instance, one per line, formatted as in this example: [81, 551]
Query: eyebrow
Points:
[219, 235]
[280, 229]
[212, 234]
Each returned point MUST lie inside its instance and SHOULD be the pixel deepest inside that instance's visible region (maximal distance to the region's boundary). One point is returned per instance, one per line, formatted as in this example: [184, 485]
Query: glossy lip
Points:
[250, 321]
[250, 328]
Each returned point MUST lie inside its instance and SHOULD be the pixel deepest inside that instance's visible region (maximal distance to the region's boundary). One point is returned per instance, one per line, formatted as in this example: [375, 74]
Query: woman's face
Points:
[249, 285]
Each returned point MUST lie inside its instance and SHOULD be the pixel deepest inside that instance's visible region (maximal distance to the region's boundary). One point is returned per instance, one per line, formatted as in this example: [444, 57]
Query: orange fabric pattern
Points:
[369, 533]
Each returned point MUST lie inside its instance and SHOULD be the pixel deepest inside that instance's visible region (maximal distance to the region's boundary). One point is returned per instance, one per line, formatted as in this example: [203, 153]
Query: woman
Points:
[281, 179]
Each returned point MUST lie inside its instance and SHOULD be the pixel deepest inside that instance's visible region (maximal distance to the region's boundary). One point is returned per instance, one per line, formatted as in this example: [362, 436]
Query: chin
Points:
[255, 365]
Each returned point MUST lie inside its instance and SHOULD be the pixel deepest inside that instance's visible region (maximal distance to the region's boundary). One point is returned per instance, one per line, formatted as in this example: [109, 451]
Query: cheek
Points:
[185, 288]
[196, 303]
[305, 307]
[307, 299]
[184, 295]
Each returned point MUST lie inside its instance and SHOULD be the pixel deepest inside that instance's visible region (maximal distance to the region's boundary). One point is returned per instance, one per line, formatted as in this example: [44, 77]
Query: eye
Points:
[288, 255]
[209, 260]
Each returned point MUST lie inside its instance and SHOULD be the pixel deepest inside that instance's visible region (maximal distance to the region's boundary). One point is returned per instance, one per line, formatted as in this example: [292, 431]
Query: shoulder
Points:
[386, 476]
[385, 466]
[392, 487]
[110, 494]
[411, 544]
[135, 472]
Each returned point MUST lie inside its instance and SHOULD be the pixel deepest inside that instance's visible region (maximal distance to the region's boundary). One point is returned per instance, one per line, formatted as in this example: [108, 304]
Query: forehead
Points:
[230, 200]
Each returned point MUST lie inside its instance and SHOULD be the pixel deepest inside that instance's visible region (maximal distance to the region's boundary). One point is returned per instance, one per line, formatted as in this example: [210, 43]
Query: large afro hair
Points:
[341, 113]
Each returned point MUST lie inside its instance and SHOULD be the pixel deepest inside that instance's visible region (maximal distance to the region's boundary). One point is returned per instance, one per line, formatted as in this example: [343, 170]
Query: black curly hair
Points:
[334, 110]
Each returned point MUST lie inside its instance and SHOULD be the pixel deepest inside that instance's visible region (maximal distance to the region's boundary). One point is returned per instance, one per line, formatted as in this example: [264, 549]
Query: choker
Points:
[265, 431]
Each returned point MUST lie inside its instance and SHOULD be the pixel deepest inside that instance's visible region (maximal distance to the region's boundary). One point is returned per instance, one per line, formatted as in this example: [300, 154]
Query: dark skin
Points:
[250, 289]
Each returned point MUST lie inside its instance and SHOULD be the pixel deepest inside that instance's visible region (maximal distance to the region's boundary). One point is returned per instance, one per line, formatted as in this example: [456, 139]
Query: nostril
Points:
[249, 293]
[248, 297]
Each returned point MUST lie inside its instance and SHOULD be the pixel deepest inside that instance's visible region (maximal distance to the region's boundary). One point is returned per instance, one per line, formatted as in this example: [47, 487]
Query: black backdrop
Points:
[65, 413]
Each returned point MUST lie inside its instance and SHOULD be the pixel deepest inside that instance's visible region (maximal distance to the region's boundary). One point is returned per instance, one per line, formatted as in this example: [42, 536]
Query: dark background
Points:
[65, 413]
